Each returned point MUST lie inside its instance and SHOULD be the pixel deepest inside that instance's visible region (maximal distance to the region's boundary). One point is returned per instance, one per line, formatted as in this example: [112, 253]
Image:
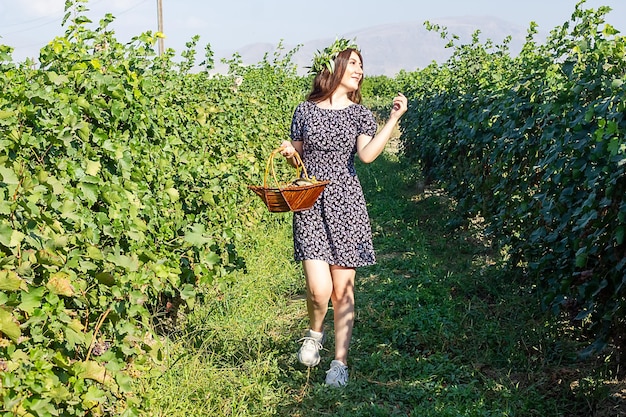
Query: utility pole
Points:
[160, 17]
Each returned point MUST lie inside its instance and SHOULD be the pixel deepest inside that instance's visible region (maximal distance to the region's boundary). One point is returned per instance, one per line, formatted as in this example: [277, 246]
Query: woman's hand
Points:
[288, 151]
[400, 106]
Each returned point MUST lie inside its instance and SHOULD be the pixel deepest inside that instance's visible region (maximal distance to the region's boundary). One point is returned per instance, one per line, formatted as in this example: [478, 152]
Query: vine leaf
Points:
[9, 326]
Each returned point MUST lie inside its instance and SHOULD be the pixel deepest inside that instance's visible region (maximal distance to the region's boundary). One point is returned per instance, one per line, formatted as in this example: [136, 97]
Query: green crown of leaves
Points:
[326, 59]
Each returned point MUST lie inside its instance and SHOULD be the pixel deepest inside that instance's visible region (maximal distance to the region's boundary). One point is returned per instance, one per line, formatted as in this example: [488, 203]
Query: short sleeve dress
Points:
[337, 228]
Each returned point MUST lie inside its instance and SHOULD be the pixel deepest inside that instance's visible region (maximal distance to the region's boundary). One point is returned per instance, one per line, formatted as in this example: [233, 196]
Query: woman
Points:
[334, 237]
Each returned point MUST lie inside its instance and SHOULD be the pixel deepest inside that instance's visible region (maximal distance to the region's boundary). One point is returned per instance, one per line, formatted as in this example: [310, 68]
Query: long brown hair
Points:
[325, 83]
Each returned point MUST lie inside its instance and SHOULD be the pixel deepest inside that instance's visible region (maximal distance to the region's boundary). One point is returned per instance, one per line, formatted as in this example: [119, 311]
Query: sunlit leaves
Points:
[9, 326]
[123, 182]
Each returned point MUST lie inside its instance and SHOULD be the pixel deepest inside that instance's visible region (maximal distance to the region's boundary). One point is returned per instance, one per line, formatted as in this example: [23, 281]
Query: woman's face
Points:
[353, 74]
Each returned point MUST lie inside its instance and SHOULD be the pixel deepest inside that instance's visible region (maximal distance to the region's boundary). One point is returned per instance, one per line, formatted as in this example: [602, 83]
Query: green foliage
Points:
[122, 195]
[379, 86]
[378, 92]
[535, 144]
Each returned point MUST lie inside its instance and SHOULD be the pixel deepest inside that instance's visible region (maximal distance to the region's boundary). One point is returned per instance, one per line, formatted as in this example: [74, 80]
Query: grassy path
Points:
[440, 329]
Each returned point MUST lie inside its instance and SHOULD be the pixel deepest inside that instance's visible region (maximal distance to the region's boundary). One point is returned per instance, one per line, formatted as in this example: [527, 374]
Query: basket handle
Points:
[270, 164]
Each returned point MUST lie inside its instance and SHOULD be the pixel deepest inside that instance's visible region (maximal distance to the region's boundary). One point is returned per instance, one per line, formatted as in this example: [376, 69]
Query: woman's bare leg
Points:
[319, 285]
[343, 305]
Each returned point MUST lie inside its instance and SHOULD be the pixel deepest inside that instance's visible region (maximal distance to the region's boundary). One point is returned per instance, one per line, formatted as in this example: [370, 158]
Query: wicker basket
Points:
[289, 198]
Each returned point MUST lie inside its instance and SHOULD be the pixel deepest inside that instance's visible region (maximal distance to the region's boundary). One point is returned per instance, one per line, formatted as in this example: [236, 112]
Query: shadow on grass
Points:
[442, 328]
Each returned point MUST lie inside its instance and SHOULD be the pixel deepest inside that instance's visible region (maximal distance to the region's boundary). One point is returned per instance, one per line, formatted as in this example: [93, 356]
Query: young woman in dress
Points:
[334, 237]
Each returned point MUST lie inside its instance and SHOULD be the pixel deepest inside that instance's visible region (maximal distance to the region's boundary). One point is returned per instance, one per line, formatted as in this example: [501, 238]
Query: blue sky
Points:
[27, 25]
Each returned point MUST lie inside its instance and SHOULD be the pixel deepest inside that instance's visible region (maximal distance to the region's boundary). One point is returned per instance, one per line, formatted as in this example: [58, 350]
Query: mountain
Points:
[389, 48]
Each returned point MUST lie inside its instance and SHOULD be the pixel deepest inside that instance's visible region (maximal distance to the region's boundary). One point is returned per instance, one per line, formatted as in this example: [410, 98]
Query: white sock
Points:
[317, 335]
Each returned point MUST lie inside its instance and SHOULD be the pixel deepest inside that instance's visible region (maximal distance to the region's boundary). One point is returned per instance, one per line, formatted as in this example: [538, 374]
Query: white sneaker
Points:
[337, 375]
[312, 343]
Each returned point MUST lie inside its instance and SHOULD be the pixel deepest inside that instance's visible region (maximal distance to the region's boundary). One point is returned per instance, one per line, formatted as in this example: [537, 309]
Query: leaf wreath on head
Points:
[326, 59]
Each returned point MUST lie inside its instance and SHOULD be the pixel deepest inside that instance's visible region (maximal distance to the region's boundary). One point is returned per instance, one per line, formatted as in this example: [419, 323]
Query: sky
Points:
[227, 25]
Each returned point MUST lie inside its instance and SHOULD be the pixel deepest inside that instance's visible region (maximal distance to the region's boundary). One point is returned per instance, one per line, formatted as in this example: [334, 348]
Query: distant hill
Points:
[389, 48]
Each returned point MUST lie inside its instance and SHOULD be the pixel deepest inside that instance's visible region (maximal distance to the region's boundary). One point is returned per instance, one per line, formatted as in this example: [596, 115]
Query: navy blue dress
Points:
[337, 228]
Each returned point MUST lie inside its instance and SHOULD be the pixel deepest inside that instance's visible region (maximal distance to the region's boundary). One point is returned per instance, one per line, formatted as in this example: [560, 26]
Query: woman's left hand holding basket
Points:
[287, 149]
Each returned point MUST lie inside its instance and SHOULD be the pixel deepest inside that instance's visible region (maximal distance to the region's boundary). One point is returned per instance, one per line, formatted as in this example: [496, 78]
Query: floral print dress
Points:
[337, 228]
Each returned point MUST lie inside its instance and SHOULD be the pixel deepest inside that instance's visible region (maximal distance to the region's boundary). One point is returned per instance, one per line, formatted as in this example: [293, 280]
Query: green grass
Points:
[442, 329]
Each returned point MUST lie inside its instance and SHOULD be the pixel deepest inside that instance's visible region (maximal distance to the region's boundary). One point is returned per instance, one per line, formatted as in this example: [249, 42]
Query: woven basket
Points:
[289, 198]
